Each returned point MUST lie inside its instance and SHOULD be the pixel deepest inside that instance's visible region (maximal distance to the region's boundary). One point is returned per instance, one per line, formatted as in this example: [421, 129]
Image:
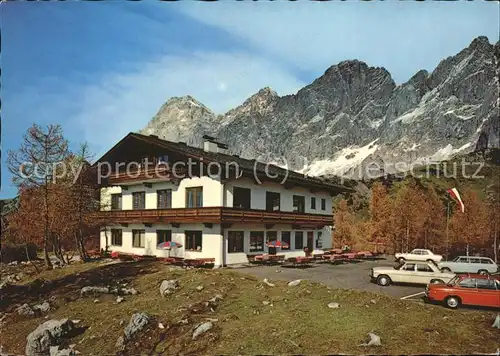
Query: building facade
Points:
[213, 204]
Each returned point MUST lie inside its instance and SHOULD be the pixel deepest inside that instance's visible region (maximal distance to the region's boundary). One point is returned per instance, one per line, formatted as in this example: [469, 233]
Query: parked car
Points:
[469, 289]
[418, 254]
[469, 264]
[416, 272]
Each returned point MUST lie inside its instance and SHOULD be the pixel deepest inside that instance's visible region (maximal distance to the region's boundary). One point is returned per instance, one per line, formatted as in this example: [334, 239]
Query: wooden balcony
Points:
[214, 215]
[143, 174]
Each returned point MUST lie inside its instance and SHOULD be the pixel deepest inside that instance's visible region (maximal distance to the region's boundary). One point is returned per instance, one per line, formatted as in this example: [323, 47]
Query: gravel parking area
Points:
[349, 275]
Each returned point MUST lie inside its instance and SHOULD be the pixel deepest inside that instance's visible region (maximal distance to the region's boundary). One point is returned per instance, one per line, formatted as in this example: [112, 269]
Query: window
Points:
[194, 197]
[474, 260]
[299, 240]
[285, 237]
[323, 204]
[424, 252]
[256, 241]
[313, 203]
[271, 236]
[423, 268]
[319, 241]
[241, 198]
[164, 198]
[467, 283]
[116, 237]
[409, 267]
[463, 260]
[272, 201]
[163, 236]
[139, 200]
[483, 283]
[486, 261]
[299, 203]
[416, 252]
[162, 159]
[116, 201]
[138, 238]
[193, 240]
[235, 241]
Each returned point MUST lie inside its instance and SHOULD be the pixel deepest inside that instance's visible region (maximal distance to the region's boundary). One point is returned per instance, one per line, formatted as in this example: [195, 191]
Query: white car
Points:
[469, 264]
[418, 254]
[416, 272]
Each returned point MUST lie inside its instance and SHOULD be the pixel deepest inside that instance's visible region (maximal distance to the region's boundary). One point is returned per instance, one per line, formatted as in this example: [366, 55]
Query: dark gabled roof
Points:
[246, 165]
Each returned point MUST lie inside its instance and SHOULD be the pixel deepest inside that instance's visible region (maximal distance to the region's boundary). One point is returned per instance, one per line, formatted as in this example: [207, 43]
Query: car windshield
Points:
[456, 259]
[453, 281]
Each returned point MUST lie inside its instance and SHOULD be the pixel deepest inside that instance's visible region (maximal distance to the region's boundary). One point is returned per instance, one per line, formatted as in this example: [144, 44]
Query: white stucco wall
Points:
[211, 241]
[258, 196]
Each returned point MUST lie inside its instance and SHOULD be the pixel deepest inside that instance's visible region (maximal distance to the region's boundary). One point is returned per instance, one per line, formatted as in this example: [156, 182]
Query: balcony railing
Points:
[216, 215]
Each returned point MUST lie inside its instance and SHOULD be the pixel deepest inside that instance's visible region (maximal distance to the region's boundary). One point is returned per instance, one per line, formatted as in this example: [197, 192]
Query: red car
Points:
[468, 289]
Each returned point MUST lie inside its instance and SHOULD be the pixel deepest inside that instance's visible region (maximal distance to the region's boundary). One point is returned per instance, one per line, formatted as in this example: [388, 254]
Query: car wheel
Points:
[437, 281]
[383, 280]
[445, 269]
[452, 302]
[482, 271]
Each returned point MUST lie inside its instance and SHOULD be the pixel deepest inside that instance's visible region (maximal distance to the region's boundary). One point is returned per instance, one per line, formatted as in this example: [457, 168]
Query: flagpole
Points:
[447, 229]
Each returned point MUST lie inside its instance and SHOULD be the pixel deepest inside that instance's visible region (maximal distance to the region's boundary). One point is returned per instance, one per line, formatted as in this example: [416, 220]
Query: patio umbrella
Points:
[278, 244]
[168, 245]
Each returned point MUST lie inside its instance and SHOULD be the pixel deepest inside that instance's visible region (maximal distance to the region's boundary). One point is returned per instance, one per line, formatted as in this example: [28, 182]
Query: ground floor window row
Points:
[193, 239]
[259, 239]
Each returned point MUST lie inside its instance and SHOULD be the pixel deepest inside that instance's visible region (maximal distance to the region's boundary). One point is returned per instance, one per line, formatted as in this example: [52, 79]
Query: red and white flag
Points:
[455, 195]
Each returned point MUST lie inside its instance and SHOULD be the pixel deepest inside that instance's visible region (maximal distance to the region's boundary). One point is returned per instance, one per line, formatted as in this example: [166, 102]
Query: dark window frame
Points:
[295, 239]
[256, 235]
[299, 203]
[163, 235]
[197, 197]
[139, 232]
[116, 233]
[190, 239]
[323, 204]
[242, 201]
[313, 203]
[116, 198]
[139, 203]
[271, 199]
[287, 239]
[167, 200]
[235, 241]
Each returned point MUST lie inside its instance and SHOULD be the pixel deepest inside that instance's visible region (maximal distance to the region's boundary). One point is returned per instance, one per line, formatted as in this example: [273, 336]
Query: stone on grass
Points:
[55, 351]
[120, 343]
[93, 291]
[128, 291]
[496, 323]
[46, 335]
[168, 287]
[374, 340]
[119, 300]
[96, 301]
[199, 288]
[137, 322]
[25, 309]
[294, 283]
[265, 302]
[267, 283]
[160, 325]
[202, 328]
[43, 307]
[333, 305]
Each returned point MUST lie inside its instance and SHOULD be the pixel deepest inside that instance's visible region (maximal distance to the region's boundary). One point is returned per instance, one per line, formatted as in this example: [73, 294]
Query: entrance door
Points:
[310, 242]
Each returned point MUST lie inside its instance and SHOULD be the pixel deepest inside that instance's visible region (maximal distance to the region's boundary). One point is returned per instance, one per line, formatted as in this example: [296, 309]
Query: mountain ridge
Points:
[354, 115]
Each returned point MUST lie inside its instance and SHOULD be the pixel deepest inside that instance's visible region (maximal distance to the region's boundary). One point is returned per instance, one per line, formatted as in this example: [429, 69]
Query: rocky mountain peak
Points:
[355, 114]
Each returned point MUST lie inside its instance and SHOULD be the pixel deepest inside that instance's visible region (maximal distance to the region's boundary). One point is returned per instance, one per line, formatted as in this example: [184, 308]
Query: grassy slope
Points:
[298, 322]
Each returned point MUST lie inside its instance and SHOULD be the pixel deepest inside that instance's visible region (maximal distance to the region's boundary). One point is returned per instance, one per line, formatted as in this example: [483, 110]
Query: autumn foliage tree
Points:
[379, 227]
[344, 224]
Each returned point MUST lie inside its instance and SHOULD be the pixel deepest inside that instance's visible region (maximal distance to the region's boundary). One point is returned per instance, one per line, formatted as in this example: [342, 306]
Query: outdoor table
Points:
[198, 262]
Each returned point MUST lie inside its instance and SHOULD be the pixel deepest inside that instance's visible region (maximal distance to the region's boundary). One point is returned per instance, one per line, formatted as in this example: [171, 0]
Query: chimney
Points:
[211, 145]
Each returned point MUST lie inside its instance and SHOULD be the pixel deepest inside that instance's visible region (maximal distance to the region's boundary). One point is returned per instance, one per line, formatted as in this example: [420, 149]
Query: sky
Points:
[103, 69]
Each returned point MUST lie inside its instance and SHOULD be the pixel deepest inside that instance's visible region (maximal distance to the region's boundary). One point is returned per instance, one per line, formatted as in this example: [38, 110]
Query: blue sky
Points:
[103, 69]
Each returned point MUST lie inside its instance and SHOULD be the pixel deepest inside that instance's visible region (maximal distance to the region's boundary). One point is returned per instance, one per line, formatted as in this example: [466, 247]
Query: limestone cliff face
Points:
[355, 114]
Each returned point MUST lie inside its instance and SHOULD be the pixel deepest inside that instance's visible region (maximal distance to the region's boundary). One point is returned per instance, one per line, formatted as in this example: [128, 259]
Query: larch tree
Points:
[434, 221]
[493, 207]
[380, 216]
[344, 224]
[33, 166]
